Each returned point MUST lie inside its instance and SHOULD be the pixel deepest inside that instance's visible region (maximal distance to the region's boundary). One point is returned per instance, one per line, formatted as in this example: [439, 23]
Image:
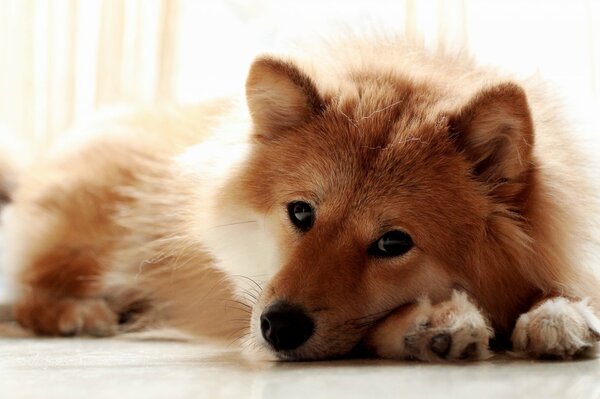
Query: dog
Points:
[388, 197]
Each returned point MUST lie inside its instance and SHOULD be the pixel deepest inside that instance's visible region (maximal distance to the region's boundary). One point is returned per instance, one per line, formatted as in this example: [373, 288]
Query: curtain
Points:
[64, 59]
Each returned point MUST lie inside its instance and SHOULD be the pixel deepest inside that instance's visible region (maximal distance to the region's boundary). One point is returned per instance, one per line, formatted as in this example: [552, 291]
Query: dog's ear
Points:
[280, 96]
[495, 132]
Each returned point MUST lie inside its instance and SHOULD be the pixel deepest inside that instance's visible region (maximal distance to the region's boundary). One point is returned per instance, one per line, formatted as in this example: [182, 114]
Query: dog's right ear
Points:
[280, 96]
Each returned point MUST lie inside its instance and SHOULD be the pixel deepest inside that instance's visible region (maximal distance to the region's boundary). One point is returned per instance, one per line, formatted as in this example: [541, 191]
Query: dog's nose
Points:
[286, 326]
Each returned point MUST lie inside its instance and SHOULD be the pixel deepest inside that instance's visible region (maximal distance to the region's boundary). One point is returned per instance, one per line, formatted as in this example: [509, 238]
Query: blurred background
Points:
[64, 59]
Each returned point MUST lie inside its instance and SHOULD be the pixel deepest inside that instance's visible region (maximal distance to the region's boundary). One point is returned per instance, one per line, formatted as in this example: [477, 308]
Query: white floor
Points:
[136, 368]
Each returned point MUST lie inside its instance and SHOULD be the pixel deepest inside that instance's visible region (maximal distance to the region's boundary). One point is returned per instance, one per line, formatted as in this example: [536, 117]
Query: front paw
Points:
[557, 328]
[451, 330]
[66, 317]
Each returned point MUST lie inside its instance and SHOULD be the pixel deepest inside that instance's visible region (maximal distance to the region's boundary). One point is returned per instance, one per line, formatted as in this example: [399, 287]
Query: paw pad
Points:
[441, 344]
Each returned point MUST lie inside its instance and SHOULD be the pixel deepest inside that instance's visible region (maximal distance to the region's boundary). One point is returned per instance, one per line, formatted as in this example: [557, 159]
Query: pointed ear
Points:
[495, 132]
[280, 96]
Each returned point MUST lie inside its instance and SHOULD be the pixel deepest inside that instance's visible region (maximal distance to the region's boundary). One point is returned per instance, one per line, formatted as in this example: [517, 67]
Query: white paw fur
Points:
[450, 330]
[558, 328]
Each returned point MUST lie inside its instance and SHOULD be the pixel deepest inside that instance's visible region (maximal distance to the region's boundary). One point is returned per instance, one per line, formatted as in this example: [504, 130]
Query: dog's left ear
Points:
[495, 132]
[280, 96]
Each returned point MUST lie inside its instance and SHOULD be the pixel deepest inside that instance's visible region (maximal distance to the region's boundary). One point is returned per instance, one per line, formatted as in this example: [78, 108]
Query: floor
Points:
[149, 367]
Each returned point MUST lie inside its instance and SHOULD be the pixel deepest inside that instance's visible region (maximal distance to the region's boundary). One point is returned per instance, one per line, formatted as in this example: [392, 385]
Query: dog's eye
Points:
[301, 214]
[392, 243]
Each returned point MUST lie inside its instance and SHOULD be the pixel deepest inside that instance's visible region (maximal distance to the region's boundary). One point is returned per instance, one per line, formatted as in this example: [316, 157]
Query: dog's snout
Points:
[286, 326]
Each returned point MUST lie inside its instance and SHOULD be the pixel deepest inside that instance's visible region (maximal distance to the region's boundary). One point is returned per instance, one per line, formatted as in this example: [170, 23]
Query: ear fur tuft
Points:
[495, 132]
[280, 96]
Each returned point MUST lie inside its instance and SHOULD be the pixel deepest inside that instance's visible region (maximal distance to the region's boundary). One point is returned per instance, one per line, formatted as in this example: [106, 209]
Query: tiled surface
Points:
[126, 368]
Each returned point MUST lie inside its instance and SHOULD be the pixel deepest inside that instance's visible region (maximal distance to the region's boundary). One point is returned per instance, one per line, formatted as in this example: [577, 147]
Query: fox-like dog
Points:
[387, 197]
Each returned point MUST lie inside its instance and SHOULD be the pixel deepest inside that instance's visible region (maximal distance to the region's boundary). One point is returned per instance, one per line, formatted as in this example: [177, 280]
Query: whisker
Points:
[240, 309]
[250, 294]
[232, 224]
[246, 337]
[236, 340]
[239, 302]
[260, 288]
[241, 337]
[245, 321]
[236, 332]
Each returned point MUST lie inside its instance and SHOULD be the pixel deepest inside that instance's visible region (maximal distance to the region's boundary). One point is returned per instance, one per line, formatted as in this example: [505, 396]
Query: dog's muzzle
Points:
[286, 326]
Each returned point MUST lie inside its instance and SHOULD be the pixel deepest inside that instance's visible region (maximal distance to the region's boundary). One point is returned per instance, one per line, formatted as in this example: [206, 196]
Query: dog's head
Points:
[377, 194]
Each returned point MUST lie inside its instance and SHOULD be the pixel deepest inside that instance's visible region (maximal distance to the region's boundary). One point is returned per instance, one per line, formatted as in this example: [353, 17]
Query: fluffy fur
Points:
[158, 218]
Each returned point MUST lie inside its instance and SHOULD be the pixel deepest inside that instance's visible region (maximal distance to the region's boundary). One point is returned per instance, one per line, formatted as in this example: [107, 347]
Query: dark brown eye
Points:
[392, 243]
[301, 215]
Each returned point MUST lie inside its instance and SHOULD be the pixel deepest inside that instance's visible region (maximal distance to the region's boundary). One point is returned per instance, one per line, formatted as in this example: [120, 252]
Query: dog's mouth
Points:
[356, 351]
[291, 333]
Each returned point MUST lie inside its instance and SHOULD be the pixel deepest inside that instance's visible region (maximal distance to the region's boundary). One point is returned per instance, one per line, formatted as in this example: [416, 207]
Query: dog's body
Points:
[357, 186]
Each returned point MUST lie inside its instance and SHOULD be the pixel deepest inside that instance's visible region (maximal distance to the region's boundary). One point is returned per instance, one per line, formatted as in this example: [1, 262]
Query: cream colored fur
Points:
[454, 327]
[156, 206]
[557, 327]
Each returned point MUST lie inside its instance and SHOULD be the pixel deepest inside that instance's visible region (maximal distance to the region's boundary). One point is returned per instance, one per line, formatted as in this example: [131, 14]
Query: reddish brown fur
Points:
[458, 157]
[399, 189]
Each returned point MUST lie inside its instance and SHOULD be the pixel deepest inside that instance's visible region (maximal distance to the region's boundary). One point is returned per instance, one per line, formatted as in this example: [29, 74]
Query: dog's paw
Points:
[88, 317]
[451, 330]
[67, 317]
[557, 328]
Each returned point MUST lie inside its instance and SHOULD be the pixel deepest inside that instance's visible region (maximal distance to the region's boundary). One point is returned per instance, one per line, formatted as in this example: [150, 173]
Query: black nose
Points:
[286, 326]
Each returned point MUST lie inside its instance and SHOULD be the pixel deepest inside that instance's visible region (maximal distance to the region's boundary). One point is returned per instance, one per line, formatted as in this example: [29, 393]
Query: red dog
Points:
[408, 200]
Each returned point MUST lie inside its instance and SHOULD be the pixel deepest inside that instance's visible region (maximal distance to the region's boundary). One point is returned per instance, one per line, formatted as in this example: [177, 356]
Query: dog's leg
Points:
[66, 316]
[60, 297]
[557, 328]
[450, 330]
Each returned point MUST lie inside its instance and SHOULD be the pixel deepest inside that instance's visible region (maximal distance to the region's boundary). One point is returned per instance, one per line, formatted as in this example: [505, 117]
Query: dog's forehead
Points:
[368, 182]
[376, 112]
[365, 96]
[371, 141]
[381, 144]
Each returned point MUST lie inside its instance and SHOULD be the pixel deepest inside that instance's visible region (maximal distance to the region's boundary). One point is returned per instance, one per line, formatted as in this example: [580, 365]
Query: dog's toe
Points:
[441, 344]
[557, 329]
[68, 317]
[451, 330]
